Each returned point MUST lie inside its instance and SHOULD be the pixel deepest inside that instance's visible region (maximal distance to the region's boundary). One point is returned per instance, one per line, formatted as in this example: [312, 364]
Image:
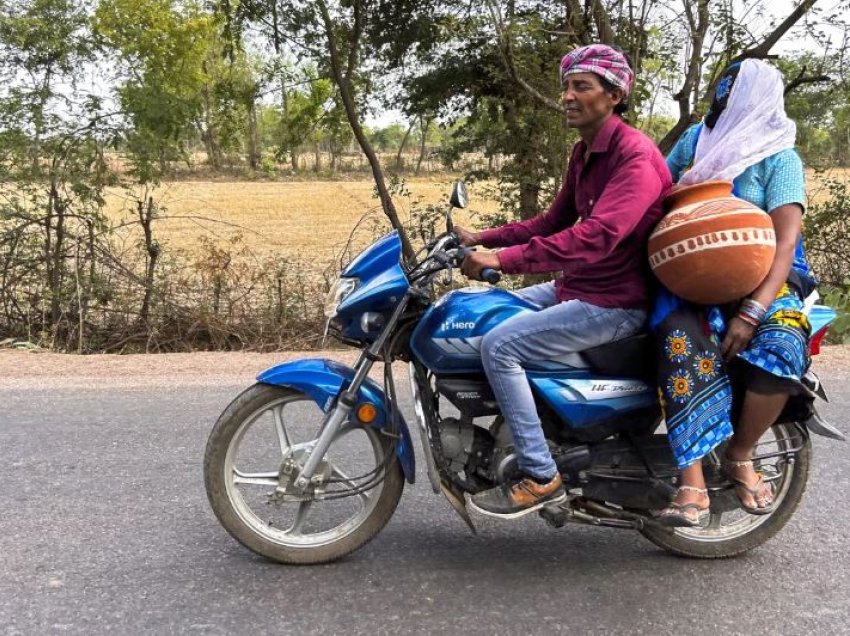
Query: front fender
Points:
[322, 380]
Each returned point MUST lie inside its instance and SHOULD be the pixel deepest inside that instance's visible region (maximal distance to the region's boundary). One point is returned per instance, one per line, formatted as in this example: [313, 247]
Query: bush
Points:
[827, 232]
[827, 235]
[839, 299]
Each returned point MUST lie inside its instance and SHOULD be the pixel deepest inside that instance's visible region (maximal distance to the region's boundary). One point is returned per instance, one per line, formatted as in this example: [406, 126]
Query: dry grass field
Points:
[308, 221]
[815, 182]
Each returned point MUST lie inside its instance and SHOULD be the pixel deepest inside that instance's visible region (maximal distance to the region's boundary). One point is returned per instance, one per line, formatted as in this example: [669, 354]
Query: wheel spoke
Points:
[280, 429]
[338, 474]
[255, 479]
[300, 516]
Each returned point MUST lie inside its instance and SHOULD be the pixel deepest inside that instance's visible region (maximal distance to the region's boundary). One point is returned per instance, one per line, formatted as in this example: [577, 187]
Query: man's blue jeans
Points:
[559, 329]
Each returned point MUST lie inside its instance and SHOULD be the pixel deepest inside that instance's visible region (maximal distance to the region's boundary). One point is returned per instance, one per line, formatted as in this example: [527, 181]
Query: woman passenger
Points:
[746, 138]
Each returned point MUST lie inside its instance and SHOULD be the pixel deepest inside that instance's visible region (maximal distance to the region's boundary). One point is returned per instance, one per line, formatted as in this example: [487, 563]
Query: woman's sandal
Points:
[755, 492]
[676, 515]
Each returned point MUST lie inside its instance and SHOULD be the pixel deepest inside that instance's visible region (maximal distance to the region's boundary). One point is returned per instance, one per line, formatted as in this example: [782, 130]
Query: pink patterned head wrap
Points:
[601, 59]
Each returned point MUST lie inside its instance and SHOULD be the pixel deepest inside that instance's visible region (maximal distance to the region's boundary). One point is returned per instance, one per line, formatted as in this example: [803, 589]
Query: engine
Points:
[476, 455]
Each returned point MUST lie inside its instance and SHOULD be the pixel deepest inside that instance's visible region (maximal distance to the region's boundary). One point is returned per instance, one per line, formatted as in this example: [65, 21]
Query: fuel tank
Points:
[447, 339]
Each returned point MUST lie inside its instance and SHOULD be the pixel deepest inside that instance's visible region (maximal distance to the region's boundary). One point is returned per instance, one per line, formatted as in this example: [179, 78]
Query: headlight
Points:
[339, 292]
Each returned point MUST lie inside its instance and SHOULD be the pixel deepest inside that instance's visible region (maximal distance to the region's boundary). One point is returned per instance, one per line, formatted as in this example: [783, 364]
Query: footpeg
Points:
[816, 424]
[556, 515]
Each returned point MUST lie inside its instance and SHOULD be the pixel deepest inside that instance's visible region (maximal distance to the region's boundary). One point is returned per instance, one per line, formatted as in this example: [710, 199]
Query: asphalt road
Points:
[106, 529]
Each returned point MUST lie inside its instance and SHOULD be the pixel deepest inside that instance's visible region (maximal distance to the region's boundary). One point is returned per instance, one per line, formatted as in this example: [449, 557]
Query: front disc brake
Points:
[290, 469]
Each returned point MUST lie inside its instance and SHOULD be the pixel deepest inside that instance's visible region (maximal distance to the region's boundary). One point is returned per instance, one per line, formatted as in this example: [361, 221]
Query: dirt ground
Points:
[30, 369]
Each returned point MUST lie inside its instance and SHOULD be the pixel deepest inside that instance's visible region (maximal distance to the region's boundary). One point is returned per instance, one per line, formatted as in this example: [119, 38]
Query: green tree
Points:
[302, 121]
[166, 54]
[53, 137]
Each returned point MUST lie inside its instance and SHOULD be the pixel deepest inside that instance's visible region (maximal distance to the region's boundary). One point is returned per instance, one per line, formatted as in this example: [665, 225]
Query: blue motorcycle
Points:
[309, 463]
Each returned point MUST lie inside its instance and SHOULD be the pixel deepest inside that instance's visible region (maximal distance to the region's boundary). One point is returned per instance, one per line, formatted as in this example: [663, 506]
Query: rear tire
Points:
[697, 543]
[244, 407]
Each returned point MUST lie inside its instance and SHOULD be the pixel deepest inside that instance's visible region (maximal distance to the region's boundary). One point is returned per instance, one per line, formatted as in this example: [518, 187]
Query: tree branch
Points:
[802, 78]
[772, 38]
[508, 61]
[699, 27]
[603, 22]
[576, 22]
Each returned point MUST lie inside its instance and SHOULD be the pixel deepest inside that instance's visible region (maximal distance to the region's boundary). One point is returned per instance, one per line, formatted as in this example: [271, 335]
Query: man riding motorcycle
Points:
[595, 233]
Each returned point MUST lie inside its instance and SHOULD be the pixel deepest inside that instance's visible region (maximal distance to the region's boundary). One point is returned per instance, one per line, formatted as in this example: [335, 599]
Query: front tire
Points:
[723, 542]
[224, 481]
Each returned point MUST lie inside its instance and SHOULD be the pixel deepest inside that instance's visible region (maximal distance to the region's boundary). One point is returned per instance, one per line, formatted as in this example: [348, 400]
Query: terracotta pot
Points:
[711, 247]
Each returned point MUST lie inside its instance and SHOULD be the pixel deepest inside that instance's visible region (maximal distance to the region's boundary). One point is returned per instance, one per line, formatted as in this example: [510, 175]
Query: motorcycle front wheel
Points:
[731, 531]
[252, 457]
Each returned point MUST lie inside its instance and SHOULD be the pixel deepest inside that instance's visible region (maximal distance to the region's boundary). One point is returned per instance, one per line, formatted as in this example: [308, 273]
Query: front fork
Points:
[338, 415]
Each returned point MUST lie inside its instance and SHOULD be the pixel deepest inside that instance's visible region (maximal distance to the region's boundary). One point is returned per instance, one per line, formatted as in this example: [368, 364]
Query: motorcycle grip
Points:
[489, 275]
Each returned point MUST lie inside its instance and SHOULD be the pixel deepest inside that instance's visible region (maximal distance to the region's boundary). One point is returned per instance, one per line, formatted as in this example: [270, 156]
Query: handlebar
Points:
[488, 275]
[491, 276]
[446, 252]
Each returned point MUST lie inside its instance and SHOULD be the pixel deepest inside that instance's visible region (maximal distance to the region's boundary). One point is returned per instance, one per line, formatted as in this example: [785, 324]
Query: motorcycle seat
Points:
[631, 357]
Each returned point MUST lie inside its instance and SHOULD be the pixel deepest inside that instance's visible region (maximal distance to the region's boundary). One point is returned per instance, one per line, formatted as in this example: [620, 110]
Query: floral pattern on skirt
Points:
[695, 391]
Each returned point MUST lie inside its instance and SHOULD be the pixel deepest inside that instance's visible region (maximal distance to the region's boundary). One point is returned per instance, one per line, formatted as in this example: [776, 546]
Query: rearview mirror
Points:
[460, 198]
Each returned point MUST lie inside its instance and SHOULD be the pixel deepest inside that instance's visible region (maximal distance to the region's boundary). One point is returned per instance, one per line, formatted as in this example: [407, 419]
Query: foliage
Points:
[164, 52]
[839, 299]
[827, 234]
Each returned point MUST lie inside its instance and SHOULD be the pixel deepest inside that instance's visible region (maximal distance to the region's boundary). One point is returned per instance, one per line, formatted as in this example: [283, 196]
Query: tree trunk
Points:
[163, 161]
[207, 134]
[284, 101]
[213, 157]
[253, 136]
[398, 160]
[424, 125]
[346, 91]
[529, 200]
[146, 214]
[528, 162]
[57, 262]
[48, 246]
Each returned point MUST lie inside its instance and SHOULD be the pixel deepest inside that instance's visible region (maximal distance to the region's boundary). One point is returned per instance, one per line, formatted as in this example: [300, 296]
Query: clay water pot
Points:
[711, 247]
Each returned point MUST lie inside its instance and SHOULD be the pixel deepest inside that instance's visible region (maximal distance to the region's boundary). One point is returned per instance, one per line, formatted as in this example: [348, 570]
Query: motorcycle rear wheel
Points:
[718, 540]
[242, 501]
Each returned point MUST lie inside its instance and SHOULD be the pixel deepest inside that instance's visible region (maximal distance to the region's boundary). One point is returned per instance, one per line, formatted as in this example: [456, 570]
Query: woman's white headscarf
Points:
[753, 126]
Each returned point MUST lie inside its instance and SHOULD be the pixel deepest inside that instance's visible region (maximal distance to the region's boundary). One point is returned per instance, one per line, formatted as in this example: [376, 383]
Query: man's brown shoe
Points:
[518, 497]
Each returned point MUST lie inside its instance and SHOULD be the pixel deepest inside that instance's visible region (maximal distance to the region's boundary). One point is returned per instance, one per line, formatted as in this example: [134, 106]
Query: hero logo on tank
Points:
[449, 325]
